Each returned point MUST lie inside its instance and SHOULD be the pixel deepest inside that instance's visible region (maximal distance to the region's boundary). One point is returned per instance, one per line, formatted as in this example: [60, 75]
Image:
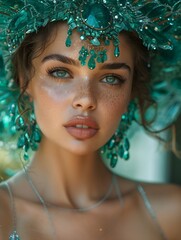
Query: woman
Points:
[79, 93]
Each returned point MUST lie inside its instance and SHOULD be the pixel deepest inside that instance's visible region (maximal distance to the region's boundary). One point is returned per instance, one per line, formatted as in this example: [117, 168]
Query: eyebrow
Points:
[116, 66]
[68, 60]
[60, 58]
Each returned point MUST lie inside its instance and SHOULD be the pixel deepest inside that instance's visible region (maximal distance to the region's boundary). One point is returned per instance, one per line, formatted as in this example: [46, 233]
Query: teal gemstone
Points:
[26, 146]
[68, 42]
[93, 53]
[91, 63]
[121, 151]
[71, 20]
[107, 42]
[6, 122]
[116, 51]
[83, 54]
[101, 56]
[109, 155]
[12, 109]
[34, 147]
[20, 122]
[37, 135]
[99, 59]
[82, 37]
[82, 61]
[95, 42]
[72, 25]
[126, 155]
[126, 144]
[124, 117]
[21, 141]
[114, 160]
[96, 16]
[26, 158]
[27, 136]
[111, 144]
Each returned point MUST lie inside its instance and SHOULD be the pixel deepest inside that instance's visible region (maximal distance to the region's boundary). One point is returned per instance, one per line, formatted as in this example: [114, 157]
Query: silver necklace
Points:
[45, 205]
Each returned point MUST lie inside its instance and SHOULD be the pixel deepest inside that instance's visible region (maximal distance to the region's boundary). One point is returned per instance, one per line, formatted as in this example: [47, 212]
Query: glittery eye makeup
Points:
[114, 79]
[59, 73]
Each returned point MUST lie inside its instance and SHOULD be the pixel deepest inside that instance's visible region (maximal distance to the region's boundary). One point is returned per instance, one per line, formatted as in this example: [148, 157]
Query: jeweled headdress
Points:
[96, 20]
[99, 22]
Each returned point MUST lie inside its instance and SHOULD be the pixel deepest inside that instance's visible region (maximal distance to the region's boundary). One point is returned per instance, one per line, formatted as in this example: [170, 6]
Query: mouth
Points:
[82, 127]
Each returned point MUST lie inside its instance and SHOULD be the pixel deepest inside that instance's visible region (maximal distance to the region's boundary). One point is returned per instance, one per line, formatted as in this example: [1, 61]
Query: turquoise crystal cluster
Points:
[30, 135]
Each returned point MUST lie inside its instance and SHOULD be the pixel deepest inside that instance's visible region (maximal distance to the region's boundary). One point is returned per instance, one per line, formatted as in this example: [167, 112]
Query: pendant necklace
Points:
[45, 205]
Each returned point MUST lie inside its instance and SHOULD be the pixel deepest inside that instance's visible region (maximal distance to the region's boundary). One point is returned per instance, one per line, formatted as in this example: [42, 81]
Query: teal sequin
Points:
[116, 52]
[95, 42]
[14, 236]
[96, 15]
[68, 42]
[92, 62]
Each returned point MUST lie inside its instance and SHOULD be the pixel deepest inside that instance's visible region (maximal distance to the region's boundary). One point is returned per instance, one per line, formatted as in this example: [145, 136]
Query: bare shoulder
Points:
[166, 202]
[165, 194]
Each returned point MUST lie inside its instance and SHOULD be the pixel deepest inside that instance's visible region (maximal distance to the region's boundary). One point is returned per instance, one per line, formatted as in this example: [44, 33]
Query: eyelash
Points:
[53, 70]
[120, 79]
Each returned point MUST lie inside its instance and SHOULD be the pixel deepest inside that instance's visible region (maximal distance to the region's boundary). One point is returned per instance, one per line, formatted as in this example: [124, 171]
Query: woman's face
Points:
[78, 109]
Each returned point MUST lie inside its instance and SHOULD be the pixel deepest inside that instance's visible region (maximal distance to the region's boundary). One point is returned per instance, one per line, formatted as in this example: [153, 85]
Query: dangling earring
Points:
[25, 124]
[118, 145]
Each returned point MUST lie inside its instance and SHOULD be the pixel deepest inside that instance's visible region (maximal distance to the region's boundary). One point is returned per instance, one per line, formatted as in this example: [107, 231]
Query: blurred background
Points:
[150, 160]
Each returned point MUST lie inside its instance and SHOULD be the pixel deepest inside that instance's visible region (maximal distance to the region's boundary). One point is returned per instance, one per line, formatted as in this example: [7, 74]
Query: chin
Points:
[81, 148]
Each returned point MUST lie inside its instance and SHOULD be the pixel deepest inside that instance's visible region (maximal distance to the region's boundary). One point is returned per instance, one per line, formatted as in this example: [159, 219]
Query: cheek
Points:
[49, 102]
[116, 101]
[53, 91]
[114, 106]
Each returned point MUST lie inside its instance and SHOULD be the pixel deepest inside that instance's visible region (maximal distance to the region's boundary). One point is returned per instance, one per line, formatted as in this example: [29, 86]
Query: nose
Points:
[85, 98]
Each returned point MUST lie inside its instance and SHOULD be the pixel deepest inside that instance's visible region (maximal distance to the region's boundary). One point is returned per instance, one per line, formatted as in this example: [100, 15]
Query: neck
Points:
[67, 177]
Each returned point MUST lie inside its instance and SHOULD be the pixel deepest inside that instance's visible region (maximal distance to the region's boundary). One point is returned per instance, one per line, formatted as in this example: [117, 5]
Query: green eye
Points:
[58, 73]
[113, 80]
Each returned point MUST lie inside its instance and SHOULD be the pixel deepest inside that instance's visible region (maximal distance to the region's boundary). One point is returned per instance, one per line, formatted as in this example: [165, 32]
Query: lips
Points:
[82, 127]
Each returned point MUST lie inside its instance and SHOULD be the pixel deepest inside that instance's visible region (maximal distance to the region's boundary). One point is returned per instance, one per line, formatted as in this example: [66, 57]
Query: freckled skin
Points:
[56, 102]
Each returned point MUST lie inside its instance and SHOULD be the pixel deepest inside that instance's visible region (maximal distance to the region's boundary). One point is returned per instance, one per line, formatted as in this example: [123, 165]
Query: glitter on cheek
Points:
[55, 90]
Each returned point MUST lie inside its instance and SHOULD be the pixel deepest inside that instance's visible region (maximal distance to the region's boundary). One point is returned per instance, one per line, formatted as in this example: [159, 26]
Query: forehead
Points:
[57, 45]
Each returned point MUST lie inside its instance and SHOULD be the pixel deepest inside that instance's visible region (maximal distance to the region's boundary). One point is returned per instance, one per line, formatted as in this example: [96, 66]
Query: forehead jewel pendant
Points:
[95, 25]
